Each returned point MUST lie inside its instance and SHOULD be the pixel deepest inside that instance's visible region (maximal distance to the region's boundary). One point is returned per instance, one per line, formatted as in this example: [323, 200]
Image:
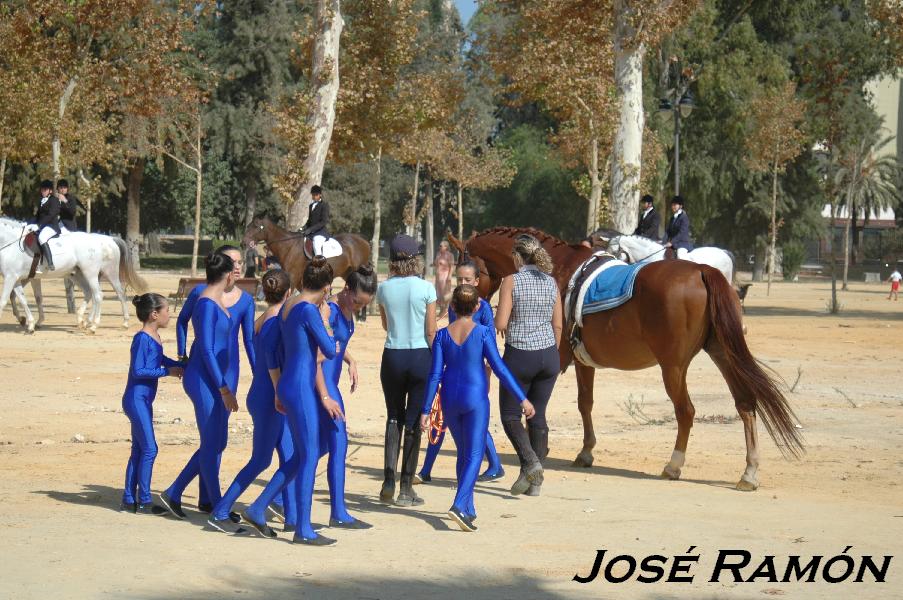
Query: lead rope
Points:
[437, 421]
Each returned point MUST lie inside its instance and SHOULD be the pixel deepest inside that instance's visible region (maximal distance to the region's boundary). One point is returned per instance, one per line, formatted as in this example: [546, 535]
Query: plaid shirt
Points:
[530, 326]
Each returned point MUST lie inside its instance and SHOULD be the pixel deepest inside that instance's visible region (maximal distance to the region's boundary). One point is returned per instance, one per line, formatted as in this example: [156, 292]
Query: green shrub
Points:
[794, 256]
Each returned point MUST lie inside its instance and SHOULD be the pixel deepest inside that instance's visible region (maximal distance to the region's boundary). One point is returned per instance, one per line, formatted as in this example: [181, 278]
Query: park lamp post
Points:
[680, 102]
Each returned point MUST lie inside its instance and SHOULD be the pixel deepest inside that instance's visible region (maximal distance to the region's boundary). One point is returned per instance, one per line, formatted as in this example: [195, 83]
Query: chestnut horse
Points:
[288, 247]
[678, 308]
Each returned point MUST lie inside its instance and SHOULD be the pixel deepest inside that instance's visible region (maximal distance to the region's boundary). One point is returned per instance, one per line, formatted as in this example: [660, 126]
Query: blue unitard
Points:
[270, 430]
[302, 334]
[146, 366]
[465, 399]
[242, 316]
[204, 375]
[483, 316]
[333, 435]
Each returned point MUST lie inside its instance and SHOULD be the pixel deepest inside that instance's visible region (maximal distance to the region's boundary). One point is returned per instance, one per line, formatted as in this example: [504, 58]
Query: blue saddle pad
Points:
[611, 288]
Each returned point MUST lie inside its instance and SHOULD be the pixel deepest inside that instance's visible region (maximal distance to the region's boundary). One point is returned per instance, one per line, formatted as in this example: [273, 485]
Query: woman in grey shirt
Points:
[529, 317]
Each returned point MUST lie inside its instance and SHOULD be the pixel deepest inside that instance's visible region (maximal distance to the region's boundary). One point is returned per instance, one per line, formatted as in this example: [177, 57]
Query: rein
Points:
[16, 241]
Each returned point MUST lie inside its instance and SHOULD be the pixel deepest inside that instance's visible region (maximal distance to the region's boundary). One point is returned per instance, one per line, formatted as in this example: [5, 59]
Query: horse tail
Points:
[743, 371]
[127, 272]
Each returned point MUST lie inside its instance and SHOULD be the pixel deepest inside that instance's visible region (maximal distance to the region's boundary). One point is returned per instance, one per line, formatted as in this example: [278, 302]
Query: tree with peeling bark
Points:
[775, 139]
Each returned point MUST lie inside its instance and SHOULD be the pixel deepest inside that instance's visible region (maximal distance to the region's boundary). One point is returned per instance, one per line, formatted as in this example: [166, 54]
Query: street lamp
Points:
[681, 104]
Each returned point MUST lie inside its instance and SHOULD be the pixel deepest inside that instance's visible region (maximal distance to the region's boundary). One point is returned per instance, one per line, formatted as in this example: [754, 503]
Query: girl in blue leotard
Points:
[270, 430]
[241, 306]
[206, 384]
[458, 354]
[359, 290]
[147, 365]
[467, 274]
[303, 333]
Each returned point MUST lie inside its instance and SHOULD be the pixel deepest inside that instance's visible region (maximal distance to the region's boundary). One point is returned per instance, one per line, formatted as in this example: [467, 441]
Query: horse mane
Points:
[512, 232]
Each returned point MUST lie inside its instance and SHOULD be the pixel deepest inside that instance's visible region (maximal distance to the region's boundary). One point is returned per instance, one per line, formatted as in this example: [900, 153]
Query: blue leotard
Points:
[465, 399]
[242, 313]
[482, 316]
[146, 365]
[302, 334]
[333, 435]
[270, 429]
[204, 375]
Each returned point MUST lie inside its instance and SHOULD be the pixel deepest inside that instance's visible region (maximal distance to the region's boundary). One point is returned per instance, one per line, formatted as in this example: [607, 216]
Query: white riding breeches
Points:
[319, 240]
[682, 253]
[45, 234]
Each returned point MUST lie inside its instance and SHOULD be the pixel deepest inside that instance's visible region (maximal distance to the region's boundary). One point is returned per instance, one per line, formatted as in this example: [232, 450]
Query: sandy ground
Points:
[62, 537]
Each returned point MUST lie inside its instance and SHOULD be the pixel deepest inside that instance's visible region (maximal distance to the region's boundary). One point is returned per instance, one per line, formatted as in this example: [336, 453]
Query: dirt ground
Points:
[62, 537]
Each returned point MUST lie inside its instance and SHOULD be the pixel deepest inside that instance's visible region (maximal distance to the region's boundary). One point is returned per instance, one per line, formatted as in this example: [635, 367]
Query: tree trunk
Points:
[57, 150]
[595, 191]
[198, 189]
[855, 236]
[2, 177]
[628, 146]
[88, 195]
[774, 227]
[759, 261]
[251, 197]
[460, 212]
[412, 224]
[377, 206]
[834, 308]
[325, 75]
[133, 210]
[428, 234]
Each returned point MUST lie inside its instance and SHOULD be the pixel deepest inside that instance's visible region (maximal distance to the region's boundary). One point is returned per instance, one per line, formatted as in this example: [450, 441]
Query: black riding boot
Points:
[530, 467]
[539, 440]
[406, 495]
[48, 257]
[392, 447]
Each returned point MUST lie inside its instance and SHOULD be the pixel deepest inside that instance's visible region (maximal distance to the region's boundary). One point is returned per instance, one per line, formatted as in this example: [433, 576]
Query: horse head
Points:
[257, 231]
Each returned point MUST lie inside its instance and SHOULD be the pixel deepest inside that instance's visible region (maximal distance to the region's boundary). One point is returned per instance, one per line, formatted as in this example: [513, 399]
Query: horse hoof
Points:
[91, 330]
[125, 324]
[584, 459]
[670, 473]
[22, 321]
[747, 486]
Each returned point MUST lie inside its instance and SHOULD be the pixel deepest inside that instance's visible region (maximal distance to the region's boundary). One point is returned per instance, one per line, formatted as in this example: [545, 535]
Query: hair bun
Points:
[136, 300]
[319, 261]
[365, 270]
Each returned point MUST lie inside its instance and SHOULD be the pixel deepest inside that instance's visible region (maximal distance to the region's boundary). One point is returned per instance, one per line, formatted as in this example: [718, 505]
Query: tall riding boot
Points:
[539, 440]
[392, 447]
[48, 257]
[406, 495]
[530, 467]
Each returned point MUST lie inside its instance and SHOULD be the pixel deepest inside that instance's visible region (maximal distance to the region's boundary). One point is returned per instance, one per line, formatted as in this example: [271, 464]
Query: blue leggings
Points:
[334, 441]
[144, 451]
[304, 423]
[270, 433]
[213, 426]
[432, 451]
[468, 425]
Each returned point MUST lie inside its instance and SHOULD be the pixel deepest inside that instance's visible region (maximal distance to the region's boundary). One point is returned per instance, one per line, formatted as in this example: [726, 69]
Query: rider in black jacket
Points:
[649, 220]
[69, 205]
[47, 221]
[317, 220]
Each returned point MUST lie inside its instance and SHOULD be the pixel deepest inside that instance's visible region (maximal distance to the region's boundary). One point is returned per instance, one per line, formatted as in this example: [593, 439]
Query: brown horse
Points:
[678, 308]
[288, 247]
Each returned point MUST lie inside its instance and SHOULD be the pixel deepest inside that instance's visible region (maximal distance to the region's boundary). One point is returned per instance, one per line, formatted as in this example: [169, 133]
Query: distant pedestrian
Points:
[894, 280]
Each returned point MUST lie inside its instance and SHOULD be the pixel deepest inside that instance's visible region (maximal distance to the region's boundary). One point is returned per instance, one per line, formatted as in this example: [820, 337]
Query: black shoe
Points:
[422, 478]
[463, 521]
[226, 526]
[277, 511]
[150, 509]
[320, 540]
[487, 476]
[530, 467]
[174, 508]
[127, 507]
[409, 499]
[205, 508]
[261, 528]
[355, 524]
[288, 529]
[235, 517]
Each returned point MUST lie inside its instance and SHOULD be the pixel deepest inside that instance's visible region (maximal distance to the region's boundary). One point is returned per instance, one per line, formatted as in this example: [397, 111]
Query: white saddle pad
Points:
[332, 247]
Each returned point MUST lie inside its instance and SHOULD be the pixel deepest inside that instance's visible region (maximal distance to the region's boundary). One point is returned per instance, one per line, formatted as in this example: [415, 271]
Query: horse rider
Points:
[317, 220]
[69, 205]
[47, 222]
[649, 220]
[677, 234]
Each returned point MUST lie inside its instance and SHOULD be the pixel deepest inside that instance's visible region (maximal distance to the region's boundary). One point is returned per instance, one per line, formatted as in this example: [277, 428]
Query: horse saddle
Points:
[30, 243]
[331, 248]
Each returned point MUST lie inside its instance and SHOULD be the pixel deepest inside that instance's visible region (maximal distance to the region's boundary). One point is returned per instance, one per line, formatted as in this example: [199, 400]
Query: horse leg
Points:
[585, 380]
[14, 305]
[675, 379]
[97, 298]
[82, 283]
[39, 300]
[113, 276]
[19, 291]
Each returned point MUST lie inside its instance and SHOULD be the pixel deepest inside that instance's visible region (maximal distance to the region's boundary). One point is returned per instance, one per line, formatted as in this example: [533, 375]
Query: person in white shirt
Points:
[894, 280]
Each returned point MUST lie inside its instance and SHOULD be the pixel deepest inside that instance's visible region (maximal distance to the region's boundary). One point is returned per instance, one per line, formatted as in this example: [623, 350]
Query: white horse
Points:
[86, 256]
[636, 248]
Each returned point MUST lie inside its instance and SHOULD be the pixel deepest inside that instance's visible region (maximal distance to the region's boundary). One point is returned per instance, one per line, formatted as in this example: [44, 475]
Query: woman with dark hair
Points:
[303, 332]
[270, 430]
[407, 306]
[458, 354]
[529, 317]
[359, 290]
[241, 307]
[147, 365]
[206, 384]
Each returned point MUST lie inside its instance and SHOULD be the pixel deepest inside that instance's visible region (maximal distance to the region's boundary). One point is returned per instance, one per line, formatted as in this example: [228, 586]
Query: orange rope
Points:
[437, 421]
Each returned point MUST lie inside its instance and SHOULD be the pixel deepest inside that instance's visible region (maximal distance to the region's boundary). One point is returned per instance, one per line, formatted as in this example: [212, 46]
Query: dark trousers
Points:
[404, 373]
[536, 371]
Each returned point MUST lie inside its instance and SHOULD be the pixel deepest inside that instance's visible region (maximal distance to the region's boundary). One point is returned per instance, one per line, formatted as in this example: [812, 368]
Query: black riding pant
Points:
[404, 374]
[536, 371]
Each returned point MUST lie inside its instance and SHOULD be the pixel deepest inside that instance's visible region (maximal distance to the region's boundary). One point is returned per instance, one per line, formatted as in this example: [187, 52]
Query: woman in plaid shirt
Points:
[529, 317]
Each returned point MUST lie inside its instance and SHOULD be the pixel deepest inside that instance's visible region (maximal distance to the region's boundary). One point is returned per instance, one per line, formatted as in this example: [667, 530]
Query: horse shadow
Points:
[96, 495]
